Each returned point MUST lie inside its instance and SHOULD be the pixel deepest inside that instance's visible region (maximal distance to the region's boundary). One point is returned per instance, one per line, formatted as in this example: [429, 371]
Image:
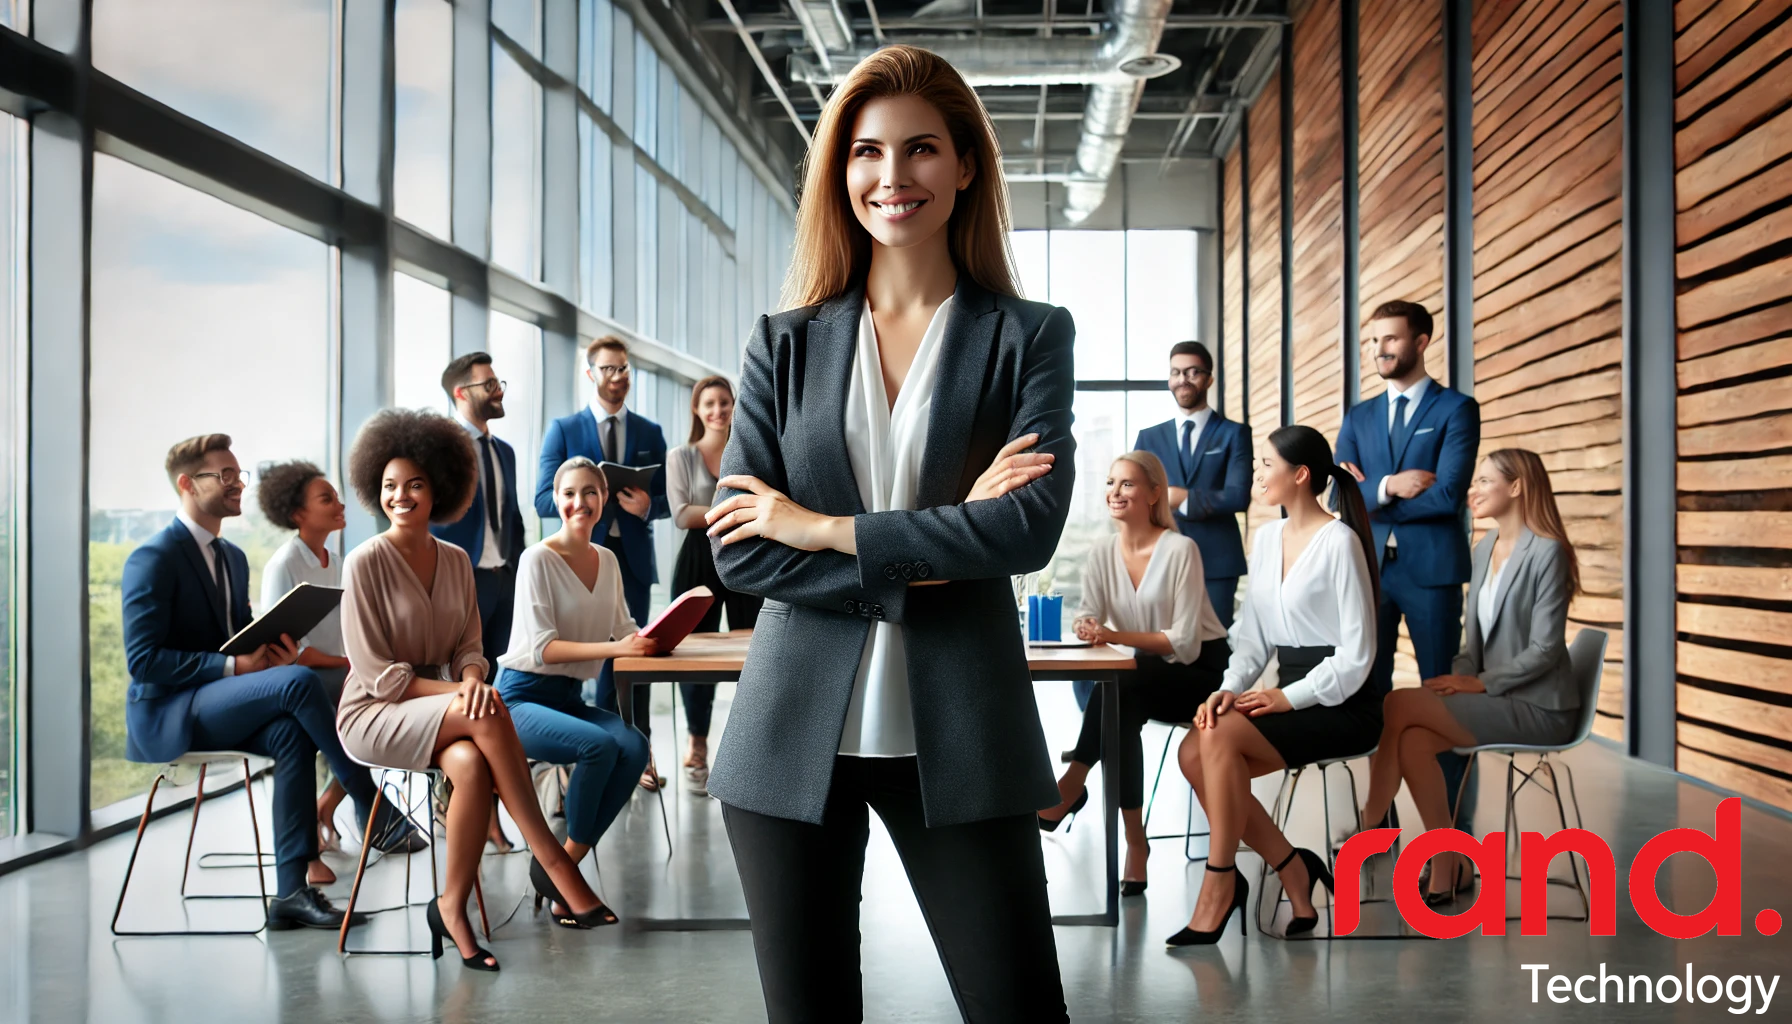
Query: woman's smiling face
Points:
[902, 172]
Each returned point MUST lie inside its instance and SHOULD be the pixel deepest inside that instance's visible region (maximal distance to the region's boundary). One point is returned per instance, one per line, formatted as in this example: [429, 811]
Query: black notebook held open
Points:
[295, 614]
[617, 476]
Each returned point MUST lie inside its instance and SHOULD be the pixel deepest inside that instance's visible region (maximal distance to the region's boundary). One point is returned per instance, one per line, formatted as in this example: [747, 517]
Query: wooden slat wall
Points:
[1318, 212]
[1232, 355]
[1733, 193]
[1265, 353]
[1548, 185]
[1400, 156]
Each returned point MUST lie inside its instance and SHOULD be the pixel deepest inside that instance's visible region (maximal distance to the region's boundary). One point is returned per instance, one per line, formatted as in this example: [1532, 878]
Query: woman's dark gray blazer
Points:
[1005, 369]
[1527, 655]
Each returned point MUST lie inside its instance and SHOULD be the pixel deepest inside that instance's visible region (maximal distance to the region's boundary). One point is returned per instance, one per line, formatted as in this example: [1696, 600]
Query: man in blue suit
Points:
[1412, 450]
[1208, 459]
[186, 592]
[607, 431]
[491, 533]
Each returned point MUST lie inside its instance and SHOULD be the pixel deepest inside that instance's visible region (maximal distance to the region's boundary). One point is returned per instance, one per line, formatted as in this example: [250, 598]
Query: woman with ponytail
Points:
[1512, 682]
[1311, 606]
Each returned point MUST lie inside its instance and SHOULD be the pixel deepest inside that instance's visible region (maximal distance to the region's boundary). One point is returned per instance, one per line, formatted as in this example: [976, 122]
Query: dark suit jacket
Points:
[1446, 431]
[172, 632]
[468, 532]
[1526, 656]
[577, 435]
[1218, 490]
[1005, 369]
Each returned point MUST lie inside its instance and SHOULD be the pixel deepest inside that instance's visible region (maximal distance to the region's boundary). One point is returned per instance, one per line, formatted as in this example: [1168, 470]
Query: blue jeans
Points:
[1434, 620]
[556, 727]
[282, 713]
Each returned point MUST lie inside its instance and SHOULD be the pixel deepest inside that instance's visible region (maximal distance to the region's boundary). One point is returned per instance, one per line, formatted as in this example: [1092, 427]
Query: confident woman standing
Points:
[887, 671]
[691, 472]
[1311, 606]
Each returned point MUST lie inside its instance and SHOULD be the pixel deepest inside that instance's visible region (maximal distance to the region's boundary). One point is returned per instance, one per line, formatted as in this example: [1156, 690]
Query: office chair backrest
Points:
[1587, 656]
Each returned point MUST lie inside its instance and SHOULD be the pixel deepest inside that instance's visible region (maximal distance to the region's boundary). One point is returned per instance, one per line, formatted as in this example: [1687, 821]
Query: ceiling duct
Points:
[1114, 65]
[828, 32]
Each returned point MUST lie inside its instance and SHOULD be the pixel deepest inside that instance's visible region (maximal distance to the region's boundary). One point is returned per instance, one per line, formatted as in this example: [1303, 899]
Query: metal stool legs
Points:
[1188, 834]
[354, 892]
[149, 804]
[1533, 777]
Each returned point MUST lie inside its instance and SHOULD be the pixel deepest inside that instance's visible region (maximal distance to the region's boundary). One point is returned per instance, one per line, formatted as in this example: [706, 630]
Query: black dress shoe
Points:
[306, 908]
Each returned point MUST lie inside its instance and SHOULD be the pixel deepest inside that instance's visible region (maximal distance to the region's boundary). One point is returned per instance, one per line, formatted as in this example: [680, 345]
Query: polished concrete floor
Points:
[59, 962]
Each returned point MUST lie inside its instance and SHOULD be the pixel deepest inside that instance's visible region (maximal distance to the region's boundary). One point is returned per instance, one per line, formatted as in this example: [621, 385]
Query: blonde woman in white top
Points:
[1311, 605]
[570, 618]
[1143, 588]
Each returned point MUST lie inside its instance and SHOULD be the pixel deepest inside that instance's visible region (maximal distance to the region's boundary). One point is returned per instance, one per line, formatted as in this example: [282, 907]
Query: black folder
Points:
[295, 615]
[617, 476]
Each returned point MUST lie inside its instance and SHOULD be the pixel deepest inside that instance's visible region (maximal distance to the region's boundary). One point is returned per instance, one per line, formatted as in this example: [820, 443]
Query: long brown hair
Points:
[697, 390]
[1153, 468]
[831, 251]
[1537, 501]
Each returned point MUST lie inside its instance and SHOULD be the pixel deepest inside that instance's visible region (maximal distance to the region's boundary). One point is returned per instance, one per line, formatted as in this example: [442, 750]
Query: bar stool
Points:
[409, 808]
[204, 759]
[1283, 810]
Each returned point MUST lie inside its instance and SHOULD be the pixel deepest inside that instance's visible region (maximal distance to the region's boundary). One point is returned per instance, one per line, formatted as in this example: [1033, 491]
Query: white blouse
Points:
[1171, 597]
[1327, 600]
[884, 446]
[1487, 603]
[291, 564]
[688, 480]
[552, 604]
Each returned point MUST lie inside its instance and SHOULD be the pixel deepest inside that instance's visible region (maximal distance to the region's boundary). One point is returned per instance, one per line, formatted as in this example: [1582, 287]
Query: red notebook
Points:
[682, 616]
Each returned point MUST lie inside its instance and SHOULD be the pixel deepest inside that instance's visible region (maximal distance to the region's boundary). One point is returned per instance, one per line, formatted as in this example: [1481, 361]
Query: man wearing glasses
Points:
[186, 592]
[1208, 459]
[607, 431]
[491, 533]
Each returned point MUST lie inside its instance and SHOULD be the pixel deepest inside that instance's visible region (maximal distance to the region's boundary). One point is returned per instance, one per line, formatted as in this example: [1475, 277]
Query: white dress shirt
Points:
[1326, 600]
[491, 553]
[1487, 603]
[553, 604]
[884, 446]
[1414, 396]
[291, 564]
[620, 455]
[204, 538]
[1171, 597]
[1199, 417]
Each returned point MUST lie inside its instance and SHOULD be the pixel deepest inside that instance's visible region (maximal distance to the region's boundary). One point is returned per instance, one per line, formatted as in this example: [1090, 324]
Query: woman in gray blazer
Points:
[887, 670]
[1512, 682]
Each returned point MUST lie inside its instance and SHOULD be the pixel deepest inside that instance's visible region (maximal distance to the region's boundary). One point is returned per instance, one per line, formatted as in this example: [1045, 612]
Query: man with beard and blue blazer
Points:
[1412, 450]
[607, 431]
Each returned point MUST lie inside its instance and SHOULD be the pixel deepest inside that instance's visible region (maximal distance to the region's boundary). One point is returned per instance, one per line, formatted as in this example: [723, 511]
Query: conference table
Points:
[718, 657]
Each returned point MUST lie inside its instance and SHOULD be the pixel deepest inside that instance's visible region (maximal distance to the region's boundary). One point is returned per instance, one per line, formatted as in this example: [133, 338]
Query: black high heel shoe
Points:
[545, 889]
[1051, 824]
[1317, 874]
[1459, 886]
[1241, 894]
[439, 931]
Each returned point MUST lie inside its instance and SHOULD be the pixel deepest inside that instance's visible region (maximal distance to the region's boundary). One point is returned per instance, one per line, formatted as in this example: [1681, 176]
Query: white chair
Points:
[203, 759]
[1586, 655]
[421, 817]
[1283, 810]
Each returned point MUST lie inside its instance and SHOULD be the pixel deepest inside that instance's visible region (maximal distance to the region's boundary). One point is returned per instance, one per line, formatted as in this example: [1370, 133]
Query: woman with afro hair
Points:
[417, 694]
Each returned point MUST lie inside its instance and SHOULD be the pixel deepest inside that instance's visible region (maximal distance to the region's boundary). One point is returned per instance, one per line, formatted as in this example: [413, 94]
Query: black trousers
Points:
[1158, 691]
[981, 886]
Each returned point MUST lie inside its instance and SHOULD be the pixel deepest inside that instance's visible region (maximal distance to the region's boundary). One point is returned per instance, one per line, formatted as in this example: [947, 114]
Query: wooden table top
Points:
[727, 652]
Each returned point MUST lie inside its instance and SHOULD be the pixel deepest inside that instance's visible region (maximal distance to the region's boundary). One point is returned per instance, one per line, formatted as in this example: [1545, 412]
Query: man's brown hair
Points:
[1417, 317]
[189, 455]
[600, 343]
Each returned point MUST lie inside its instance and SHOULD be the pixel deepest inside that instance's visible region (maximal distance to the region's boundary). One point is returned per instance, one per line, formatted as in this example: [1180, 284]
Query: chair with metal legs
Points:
[1188, 834]
[421, 816]
[1283, 810]
[204, 759]
[1586, 656]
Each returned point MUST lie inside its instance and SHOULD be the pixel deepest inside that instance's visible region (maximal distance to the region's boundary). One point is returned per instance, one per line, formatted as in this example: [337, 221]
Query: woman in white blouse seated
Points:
[1311, 606]
[570, 619]
[1512, 682]
[1143, 587]
[297, 496]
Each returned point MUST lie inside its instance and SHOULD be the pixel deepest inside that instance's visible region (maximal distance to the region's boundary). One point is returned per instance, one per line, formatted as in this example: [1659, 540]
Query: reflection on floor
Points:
[58, 962]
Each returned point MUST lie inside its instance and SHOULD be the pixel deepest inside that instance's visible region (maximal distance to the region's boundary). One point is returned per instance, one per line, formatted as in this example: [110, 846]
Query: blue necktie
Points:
[1187, 451]
[1397, 436]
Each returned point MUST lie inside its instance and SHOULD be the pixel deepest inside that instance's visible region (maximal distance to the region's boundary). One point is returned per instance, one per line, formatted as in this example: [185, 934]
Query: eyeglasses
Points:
[489, 385]
[229, 478]
[606, 372]
[1189, 373]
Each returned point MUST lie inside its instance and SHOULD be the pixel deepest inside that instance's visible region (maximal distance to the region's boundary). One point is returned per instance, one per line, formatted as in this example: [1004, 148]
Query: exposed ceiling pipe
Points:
[765, 70]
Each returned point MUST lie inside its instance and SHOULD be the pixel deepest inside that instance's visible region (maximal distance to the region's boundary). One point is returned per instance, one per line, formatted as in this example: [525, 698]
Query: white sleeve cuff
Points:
[1300, 695]
[1381, 492]
[230, 666]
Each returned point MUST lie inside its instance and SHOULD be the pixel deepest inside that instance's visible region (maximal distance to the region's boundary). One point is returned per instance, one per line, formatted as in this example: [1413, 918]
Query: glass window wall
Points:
[423, 147]
[516, 167]
[13, 219]
[422, 343]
